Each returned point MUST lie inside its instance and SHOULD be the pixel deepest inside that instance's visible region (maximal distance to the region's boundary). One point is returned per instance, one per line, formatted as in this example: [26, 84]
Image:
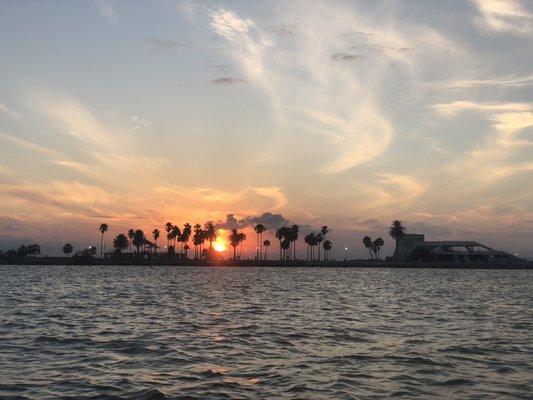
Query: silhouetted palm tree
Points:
[282, 234]
[168, 229]
[376, 246]
[259, 229]
[307, 240]
[322, 235]
[186, 248]
[367, 241]
[293, 237]
[156, 233]
[139, 240]
[285, 245]
[120, 243]
[211, 233]
[131, 235]
[397, 232]
[103, 229]
[279, 236]
[68, 248]
[175, 233]
[197, 240]
[235, 239]
[327, 248]
[266, 244]
[313, 241]
[185, 235]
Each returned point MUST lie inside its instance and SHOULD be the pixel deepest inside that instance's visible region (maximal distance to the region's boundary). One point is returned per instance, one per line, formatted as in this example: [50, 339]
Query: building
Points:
[414, 247]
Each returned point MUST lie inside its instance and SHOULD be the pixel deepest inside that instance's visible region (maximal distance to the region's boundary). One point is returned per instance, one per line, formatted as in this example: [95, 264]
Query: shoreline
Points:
[65, 261]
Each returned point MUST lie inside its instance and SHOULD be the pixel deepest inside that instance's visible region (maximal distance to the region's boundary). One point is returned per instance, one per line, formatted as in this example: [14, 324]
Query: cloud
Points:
[389, 189]
[505, 81]
[10, 113]
[73, 117]
[455, 107]
[211, 199]
[11, 227]
[505, 16]
[28, 145]
[346, 57]
[226, 80]
[139, 123]
[106, 9]
[54, 156]
[249, 42]
[344, 107]
[164, 44]
[271, 221]
[492, 159]
[187, 8]
[275, 193]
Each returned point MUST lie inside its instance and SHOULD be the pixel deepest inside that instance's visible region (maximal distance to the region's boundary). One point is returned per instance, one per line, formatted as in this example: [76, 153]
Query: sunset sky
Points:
[343, 113]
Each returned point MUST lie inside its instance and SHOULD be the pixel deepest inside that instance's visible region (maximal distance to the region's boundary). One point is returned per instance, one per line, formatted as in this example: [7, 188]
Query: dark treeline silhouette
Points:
[313, 240]
[373, 246]
[134, 244]
[23, 251]
[397, 231]
[140, 246]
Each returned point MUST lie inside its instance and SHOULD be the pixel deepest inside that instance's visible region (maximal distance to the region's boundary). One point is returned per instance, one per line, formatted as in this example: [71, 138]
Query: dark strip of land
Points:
[261, 263]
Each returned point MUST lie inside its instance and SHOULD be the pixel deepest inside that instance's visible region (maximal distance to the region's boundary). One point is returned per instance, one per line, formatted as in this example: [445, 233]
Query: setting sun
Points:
[219, 246]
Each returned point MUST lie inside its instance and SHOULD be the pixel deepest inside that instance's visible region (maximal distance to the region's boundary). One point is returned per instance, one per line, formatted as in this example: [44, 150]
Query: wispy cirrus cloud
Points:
[455, 107]
[493, 159]
[505, 16]
[507, 81]
[354, 126]
[10, 113]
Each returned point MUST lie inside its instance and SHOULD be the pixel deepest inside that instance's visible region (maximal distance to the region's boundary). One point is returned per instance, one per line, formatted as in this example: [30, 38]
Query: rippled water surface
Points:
[199, 332]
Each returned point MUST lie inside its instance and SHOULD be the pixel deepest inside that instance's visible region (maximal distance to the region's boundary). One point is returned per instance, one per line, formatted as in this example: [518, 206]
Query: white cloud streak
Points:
[303, 82]
[504, 16]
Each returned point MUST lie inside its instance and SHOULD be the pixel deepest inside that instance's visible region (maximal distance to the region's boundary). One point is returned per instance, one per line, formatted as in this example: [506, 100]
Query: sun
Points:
[219, 246]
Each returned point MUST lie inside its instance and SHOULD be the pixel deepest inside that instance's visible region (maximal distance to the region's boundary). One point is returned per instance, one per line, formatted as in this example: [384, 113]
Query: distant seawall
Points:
[262, 263]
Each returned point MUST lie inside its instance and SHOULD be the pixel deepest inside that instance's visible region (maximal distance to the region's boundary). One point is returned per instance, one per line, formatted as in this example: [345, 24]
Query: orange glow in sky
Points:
[219, 245]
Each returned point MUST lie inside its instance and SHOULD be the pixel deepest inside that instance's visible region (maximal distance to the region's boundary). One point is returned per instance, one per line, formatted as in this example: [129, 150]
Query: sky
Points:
[348, 114]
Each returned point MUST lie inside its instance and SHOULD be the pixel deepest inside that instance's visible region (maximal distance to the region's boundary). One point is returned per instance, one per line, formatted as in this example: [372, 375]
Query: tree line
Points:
[287, 237]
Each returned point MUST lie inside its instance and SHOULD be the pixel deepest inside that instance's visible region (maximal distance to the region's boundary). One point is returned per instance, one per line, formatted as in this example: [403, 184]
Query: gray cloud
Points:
[346, 57]
[9, 225]
[226, 80]
[165, 44]
[270, 220]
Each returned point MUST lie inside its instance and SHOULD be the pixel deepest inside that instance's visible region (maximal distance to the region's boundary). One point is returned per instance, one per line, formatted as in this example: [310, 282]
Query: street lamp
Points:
[345, 253]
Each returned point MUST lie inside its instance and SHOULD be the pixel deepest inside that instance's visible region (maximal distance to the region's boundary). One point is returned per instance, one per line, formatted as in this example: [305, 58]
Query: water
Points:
[198, 332]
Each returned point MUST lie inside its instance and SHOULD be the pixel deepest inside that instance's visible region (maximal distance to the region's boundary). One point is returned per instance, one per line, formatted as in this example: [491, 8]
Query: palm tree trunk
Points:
[261, 246]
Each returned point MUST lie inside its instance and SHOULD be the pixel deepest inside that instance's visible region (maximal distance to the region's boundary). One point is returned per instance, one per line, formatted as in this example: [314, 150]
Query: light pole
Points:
[345, 253]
